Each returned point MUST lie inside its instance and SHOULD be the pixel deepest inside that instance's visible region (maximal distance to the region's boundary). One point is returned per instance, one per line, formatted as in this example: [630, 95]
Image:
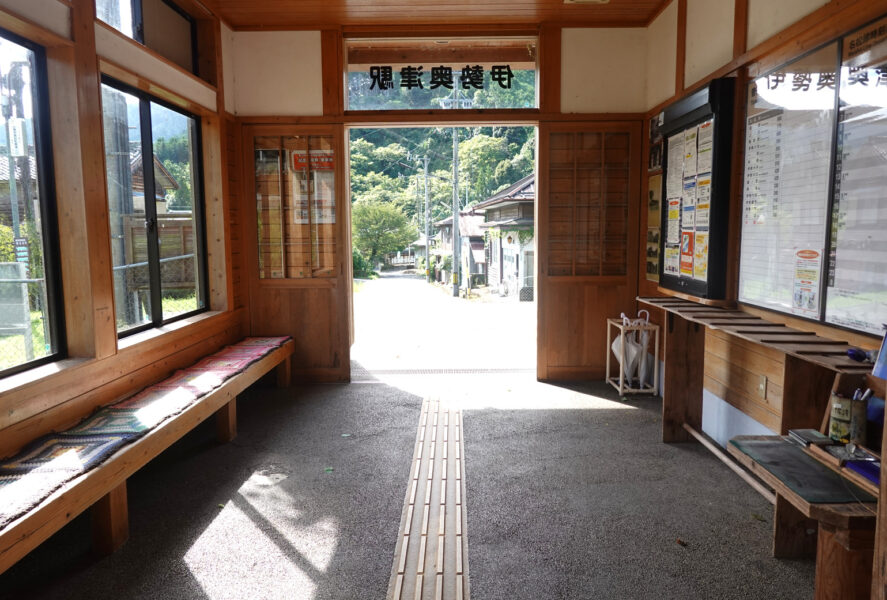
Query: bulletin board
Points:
[695, 202]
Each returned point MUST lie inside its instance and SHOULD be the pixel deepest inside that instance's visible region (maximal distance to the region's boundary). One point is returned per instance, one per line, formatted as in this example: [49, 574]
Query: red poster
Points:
[321, 160]
[687, 253]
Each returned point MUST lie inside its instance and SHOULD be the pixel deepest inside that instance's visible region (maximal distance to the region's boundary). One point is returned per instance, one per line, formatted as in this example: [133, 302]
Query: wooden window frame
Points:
[199, 212]
[48, 207]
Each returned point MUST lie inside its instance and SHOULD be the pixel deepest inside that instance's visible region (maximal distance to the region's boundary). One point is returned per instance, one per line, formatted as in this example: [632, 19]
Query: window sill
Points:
[37, 374]
[156, 332]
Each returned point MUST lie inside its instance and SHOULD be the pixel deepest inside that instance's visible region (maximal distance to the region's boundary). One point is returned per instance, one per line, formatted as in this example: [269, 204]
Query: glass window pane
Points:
[174, 186]
[25, 332]
[268, 208]
[117, 14]
[126, 205]
[296, 230]
[323, 206]
[457, 73]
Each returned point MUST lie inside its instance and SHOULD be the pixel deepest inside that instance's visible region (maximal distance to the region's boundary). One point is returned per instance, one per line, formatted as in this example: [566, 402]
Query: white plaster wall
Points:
[709, 37]
[228, 67]
[662, 48]
[722, 421]
[122, 51]
[603, 70]
[768, 17]
[277, 73]
[53, 15]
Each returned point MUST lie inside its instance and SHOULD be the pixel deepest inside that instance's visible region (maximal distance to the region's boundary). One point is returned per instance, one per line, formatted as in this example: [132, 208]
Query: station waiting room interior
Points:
[189, 405]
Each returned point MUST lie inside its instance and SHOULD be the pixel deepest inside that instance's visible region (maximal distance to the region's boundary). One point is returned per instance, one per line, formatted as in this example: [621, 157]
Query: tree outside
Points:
[379, 228]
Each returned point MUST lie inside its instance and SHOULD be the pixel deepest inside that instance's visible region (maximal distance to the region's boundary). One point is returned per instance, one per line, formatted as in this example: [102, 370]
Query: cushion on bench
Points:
[49, 462]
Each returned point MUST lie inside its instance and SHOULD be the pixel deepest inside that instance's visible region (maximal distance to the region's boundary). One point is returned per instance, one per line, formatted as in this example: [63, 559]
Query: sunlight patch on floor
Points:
[501, 392]
[259, 535]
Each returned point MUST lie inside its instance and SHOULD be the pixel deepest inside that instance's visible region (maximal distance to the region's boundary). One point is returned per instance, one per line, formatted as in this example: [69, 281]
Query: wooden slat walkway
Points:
[431, 557]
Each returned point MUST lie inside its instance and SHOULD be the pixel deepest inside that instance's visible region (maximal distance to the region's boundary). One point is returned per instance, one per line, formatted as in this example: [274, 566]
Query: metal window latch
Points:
[150, 224]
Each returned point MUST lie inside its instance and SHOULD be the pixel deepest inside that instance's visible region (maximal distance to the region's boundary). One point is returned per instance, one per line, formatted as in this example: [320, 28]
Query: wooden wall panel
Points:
[733, 372]
[235, 209]
[56, 402]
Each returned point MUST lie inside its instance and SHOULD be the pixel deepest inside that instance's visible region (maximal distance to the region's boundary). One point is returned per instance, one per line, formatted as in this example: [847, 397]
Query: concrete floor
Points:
[570, 495]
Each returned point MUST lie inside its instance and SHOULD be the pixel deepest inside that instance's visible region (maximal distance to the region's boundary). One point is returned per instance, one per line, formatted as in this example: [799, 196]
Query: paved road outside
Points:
[402, 322]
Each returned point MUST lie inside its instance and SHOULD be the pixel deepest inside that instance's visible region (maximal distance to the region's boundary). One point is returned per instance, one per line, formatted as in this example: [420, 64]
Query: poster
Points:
[672, 259]
[656, 143]
[700, 256]
[705, 143]
[703, 201]
[674, 174]
[652, 254]
[673, 221]
[690, 152]
[805, 299]
[654, 216]
[687, 253]
[654, 200]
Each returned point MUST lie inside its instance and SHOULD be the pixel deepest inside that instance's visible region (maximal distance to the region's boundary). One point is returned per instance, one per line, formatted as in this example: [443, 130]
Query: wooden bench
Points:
[104, 487]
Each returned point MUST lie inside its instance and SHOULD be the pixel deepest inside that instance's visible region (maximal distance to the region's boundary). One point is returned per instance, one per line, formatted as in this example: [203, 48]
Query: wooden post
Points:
[806, 388]
[684, 351]
[843, 559]
[879, 567]
[226, 421]
[794, 535]
[110, 521]
[284, 372]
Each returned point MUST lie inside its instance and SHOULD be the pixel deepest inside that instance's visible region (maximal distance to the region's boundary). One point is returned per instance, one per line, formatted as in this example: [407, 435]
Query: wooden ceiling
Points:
[324, 14]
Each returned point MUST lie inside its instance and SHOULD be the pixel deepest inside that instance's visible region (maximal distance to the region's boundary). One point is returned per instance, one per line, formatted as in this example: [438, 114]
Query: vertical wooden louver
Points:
[588, 203]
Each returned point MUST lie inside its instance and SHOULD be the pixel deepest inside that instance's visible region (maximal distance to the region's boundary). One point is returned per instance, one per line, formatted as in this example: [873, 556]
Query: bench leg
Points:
[284, 373]
[844, 563]
[794, 535]
[226, 421]
[110, 521]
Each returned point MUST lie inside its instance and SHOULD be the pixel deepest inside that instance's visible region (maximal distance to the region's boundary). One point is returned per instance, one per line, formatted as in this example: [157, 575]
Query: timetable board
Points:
[788, 158]
[814, 221]
[857, 275]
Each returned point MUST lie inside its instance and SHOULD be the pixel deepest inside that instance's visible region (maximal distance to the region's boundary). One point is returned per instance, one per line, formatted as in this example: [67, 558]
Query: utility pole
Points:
[457, 240]
[427, 226]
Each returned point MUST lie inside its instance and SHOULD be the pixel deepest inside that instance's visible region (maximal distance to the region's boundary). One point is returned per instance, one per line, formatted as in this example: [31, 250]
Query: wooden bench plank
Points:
[28, 531]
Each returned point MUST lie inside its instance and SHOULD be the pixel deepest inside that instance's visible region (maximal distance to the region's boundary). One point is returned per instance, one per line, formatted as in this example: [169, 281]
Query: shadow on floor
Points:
[304, 503]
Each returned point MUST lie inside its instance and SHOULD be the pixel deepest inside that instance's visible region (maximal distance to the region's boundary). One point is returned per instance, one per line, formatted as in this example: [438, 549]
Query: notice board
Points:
[696, 199]
[814, 212]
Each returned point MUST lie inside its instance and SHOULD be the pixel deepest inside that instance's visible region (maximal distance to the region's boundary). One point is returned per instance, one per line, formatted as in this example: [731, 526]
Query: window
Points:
[30, 302]
[296, 206]
[158, 24]
[457, 73]
[156, 214]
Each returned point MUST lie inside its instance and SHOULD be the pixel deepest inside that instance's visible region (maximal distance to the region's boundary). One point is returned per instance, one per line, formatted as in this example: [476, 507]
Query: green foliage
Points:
[175, 156]
[446, 263]
[362, 267]
[7, 247]
[378, 228]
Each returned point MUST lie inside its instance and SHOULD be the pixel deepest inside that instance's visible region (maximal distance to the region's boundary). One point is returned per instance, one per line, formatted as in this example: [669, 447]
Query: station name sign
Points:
[382, 77]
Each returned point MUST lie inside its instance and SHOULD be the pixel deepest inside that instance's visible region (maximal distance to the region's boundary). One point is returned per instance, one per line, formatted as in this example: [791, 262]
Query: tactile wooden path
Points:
[431, 557]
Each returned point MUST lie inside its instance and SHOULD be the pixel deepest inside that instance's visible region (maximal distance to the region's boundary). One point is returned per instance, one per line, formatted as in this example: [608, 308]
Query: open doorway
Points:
[444, 274]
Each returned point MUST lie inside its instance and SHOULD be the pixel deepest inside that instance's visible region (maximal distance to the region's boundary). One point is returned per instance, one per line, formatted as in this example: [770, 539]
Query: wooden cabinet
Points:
[296, 239]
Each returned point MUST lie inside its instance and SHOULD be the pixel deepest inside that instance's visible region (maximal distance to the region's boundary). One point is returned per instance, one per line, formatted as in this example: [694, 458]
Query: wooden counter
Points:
[788, 388]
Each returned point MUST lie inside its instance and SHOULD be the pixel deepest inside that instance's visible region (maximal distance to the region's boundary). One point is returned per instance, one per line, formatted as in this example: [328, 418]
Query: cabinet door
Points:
[587, 225]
